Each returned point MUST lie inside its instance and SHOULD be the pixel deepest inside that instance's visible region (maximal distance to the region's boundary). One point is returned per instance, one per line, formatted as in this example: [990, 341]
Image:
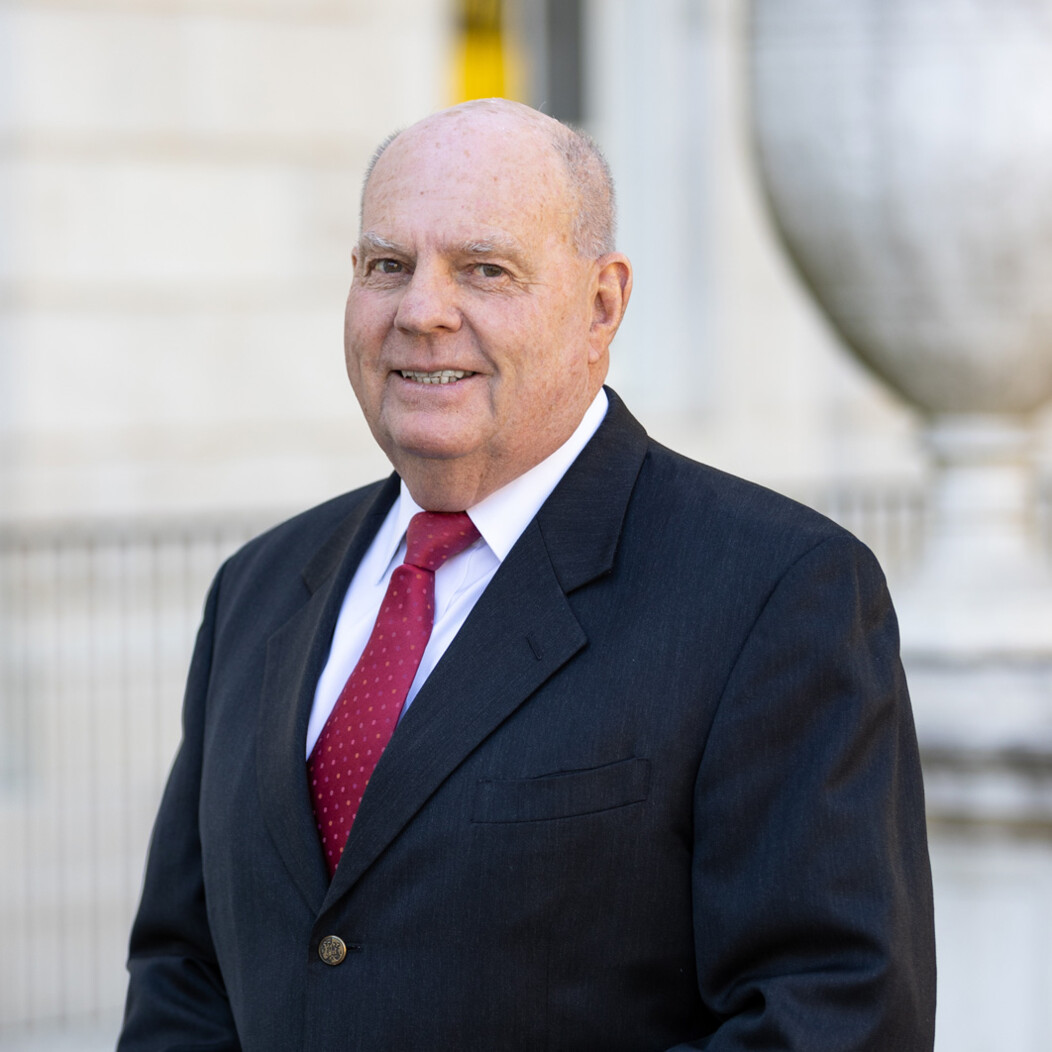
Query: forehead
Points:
[469, 180]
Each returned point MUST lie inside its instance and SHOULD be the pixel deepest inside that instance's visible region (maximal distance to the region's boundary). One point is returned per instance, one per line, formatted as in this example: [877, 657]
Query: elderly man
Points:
[619, 760]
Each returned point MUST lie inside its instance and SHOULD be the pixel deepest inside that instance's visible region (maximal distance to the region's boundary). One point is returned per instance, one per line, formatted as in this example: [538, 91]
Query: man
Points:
[654, 783]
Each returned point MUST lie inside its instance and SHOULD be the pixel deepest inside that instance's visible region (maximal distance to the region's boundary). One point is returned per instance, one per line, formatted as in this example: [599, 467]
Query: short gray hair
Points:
[591, 182]
[595, 220]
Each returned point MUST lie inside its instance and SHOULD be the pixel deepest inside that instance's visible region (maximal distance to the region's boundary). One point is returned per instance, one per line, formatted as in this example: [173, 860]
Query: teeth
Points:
[440, 376]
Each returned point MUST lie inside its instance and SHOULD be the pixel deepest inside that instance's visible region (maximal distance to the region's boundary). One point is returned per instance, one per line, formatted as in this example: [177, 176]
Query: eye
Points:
[490, 270]
[387, 266]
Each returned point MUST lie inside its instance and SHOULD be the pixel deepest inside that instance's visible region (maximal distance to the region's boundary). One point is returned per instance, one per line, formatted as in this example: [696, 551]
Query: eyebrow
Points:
[375, 243]
[497, 244]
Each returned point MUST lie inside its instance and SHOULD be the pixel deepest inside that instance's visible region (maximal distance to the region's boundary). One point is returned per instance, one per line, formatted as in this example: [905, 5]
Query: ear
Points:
[612, 288]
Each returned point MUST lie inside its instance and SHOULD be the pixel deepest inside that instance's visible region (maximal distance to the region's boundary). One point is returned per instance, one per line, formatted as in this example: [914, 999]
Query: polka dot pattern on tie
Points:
[366, 713]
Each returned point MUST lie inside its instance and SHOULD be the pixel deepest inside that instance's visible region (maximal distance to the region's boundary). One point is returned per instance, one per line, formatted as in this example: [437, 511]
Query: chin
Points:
[427, 446]
[430, 435]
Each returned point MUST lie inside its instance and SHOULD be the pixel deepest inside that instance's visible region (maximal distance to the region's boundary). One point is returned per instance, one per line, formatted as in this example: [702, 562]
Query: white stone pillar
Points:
[906, 147]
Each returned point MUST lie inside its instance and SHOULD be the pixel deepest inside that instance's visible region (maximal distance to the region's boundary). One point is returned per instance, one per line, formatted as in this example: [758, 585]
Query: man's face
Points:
[468, 321]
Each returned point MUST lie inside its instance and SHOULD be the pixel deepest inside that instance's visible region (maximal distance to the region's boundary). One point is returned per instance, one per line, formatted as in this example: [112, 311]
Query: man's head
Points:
[485, 255]
[591, 183]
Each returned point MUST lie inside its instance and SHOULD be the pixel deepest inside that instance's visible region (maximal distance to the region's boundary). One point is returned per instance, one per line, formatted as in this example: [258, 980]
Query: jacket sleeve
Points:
[813, 910]
[176, 997]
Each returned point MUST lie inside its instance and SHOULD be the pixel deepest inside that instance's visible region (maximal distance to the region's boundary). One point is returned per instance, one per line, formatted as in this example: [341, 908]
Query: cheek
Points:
[358, 348]
[351, 352]
[366, 320]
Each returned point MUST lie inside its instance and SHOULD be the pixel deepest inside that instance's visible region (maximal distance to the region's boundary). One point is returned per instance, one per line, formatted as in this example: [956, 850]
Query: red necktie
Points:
[366, 712]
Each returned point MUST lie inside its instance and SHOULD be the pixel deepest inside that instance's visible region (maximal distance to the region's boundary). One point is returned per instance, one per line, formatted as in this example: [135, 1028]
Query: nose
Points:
[429, 302]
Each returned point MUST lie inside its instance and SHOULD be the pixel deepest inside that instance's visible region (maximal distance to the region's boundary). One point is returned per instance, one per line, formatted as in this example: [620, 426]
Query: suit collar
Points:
[591, 501]
[521, 632]
[348, 542]
[502, 516]
[593, 494]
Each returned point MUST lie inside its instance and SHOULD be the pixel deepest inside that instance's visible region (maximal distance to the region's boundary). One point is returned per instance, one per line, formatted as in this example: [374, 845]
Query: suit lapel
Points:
[521, 632]
[296, 654]
[524, 617]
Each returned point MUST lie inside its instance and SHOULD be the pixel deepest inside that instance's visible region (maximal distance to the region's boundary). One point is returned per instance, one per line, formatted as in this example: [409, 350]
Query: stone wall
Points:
[177, 198]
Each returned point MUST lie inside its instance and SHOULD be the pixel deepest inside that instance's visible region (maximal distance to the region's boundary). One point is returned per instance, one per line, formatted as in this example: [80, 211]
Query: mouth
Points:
[439, 376]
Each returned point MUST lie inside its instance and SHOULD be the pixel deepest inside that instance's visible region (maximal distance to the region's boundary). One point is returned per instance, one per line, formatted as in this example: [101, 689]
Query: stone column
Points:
[906, 149]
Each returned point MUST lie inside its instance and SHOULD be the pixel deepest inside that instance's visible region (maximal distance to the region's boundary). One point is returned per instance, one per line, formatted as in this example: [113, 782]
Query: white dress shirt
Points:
[500, 519]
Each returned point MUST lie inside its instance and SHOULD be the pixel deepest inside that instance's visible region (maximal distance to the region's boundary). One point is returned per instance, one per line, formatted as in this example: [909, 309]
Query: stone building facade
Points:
[178, 198]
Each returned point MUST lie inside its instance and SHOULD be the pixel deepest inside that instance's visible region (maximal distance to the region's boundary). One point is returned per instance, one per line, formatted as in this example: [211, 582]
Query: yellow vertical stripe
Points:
[485, 61]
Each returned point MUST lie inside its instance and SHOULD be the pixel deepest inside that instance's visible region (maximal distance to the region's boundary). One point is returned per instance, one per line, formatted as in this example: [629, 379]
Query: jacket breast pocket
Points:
[564, 794]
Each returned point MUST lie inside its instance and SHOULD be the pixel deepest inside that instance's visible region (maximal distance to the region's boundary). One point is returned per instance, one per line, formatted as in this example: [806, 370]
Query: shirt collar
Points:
[502, 516]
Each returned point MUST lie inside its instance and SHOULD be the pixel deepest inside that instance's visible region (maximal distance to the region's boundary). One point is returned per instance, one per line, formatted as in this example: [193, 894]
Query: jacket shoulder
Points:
[743, 519]
[317, 536]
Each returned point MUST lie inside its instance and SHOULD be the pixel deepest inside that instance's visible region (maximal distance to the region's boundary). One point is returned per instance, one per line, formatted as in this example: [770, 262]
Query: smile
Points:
[440, 376]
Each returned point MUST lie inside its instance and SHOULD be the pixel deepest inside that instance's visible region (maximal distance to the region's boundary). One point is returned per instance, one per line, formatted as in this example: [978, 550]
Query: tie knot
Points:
[435, 536]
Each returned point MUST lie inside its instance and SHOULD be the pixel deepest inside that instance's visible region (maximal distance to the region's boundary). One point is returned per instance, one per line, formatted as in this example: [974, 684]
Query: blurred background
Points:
[178, 199]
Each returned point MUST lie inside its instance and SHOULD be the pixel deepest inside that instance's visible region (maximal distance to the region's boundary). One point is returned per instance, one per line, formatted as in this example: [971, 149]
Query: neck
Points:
[439, 485]
[459, 483]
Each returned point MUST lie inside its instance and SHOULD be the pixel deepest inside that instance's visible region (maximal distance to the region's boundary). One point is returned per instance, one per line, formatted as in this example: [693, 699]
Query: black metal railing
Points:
[96, 626]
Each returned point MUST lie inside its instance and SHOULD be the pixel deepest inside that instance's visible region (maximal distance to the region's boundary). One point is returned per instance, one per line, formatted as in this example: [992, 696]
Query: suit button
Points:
[332, 950]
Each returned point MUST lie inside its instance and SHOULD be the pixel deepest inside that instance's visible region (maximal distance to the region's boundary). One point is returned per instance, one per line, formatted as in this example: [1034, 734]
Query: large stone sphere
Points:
[906, 147]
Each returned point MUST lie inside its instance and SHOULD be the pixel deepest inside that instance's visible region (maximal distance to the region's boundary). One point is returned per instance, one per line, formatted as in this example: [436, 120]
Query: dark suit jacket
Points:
[662, 790]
